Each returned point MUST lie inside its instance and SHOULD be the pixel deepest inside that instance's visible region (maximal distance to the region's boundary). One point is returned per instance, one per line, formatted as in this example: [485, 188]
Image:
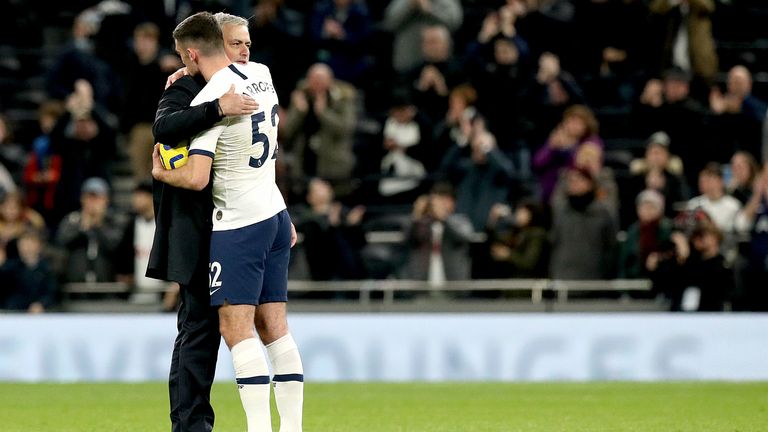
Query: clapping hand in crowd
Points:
[501, 22]
[432, 79]
[80, 102]
[333, 29]
[653, 93]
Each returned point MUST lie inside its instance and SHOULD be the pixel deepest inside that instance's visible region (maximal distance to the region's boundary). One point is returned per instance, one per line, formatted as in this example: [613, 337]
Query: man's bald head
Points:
[740, 81]
[319, 77]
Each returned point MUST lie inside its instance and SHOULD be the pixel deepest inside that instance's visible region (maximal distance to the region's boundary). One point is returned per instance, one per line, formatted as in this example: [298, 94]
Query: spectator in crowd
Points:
[319, 126]
[448, 132]
[501, 72]
[482, 174]
[704, 281]
[438, 239]
[686, 40]
[29, 284]
[590, 157]
[12, 157]
[577, 127]
[137, 244]
[581, 224]
[405, 139]
[666, 105]
[552, 92]
[646, 238]
[720, 207]
[519, 246]
[288, 54]
[92, 236]
[333, 235]
[85, 142]
[663, 264]
[497, 24]
[78, 61]
[406, 19]
[115, 21]
[753, 295]
[739, 115]
[438, 72]
[15, 219]
[658, 170]
[43, 169]
[6, 181]
[744, 172]
[12, 154]
[340, 29]
[610, 49]
[548, 25]
[144, 79]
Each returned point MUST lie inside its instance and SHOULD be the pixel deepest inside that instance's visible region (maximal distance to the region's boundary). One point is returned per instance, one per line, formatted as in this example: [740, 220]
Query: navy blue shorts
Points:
[249, 265]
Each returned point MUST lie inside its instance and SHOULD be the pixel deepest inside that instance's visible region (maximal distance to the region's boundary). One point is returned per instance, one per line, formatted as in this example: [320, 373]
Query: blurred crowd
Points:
[420, 139]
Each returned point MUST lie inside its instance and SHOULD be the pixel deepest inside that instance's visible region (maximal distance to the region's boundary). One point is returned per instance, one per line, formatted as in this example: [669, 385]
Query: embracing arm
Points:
[176, 120]
[194, 175]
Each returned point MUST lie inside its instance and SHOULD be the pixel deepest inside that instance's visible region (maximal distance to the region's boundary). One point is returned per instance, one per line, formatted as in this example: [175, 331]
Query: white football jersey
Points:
[243, 148]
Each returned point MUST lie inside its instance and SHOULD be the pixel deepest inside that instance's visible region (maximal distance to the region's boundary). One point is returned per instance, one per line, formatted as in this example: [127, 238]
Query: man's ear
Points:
[192, 54]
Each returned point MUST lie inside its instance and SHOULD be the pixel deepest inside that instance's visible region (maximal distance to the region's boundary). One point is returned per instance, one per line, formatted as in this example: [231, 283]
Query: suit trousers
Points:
[193, 363]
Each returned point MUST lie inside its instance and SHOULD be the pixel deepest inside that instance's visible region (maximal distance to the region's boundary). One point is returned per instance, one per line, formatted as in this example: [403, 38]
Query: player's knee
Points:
[234, 332]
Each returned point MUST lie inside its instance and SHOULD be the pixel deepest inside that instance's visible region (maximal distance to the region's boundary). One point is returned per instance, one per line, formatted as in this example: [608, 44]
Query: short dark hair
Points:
[707, 228]
[444, 189]
[537, 211]
[201, 31]
[713, 169]
[145, 185]
[676, 73]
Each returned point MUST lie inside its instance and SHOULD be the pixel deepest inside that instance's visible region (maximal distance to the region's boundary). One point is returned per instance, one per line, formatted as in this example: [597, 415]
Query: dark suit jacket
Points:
[182, 217]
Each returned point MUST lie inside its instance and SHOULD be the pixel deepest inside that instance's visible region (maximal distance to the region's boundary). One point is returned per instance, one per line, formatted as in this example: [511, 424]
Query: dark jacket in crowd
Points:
[24, 285]
[583, 242]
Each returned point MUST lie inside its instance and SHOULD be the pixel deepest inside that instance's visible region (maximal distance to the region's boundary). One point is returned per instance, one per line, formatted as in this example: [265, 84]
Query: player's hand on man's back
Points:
[235, 104]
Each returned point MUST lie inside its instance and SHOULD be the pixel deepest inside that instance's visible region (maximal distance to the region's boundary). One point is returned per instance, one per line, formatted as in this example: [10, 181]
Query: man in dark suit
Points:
[180, 252]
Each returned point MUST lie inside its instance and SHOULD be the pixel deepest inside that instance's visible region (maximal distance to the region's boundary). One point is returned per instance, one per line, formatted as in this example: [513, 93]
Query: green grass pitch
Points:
[373, 407]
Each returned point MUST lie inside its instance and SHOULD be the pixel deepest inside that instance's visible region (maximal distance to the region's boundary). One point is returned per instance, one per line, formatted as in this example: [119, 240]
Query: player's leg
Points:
[193, 363]
[272, 326]
[251, 370]
[288, 379]
[271, 323]
[237, 272]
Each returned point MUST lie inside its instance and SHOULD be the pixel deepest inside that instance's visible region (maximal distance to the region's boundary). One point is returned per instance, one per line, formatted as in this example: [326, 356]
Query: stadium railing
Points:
[388, 288]
[75, 288]
[392, 294]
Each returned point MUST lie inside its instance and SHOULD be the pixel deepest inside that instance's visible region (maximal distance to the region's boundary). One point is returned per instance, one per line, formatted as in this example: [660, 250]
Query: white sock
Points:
[252, 376]
[288, 382]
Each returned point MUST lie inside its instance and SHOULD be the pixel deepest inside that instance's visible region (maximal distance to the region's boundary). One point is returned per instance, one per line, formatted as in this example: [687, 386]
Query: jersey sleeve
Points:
[176, 121]
[204, 143]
